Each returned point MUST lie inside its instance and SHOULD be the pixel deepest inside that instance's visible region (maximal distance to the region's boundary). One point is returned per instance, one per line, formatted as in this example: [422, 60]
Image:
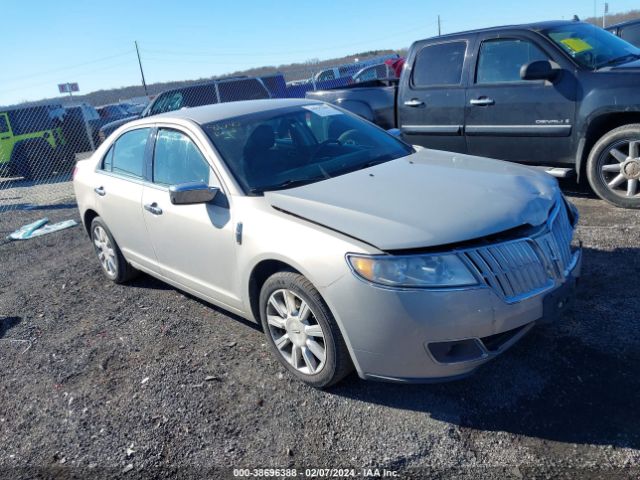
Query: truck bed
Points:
[374, 100]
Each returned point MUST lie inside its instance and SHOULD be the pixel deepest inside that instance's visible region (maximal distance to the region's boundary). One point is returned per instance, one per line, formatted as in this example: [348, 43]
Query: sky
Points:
[92, 42]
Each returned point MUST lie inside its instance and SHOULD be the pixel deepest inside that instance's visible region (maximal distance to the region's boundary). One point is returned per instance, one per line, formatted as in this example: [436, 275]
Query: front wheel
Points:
[301, 330]
[613, 167]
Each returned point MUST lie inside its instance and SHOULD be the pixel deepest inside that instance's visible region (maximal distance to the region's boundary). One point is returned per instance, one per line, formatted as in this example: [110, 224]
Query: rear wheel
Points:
[114, 265]
[35, 160]
[301, 330]
[613, 167]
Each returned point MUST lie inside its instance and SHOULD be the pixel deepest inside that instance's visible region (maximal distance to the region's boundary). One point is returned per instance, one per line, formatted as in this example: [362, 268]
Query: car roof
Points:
[624, 24]
[221, 111]
[534, 27]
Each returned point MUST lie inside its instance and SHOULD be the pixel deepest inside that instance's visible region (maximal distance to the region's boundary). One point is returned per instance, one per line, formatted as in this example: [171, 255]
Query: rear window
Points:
[439, 64]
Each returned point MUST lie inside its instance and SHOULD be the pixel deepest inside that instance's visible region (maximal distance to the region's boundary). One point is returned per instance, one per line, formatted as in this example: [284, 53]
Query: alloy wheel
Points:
[105, 251]
[295, 332]
[619, 167]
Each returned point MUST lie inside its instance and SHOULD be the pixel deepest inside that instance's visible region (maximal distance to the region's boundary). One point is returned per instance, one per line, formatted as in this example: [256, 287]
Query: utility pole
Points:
[144, 84]
[439, 31]
[604, 15]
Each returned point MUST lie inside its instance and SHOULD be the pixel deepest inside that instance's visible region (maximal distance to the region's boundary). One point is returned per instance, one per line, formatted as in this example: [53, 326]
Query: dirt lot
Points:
[98, 380]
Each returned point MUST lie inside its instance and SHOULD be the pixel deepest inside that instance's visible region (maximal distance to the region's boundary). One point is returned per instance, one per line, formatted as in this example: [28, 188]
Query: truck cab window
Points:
[631, 34]
[439, 64]
[168, 103]
[500, 60]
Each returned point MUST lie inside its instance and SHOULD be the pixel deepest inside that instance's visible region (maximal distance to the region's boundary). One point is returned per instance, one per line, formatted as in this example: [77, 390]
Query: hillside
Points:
[613, 18]
[293, 71]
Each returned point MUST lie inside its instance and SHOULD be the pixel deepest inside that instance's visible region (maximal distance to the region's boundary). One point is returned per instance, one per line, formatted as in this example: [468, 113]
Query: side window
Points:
[368, 74]
[177, 160]
[4, 125]
[128, 153]
[439, 64]
[631, 34]
[500, 60]
[326, 75]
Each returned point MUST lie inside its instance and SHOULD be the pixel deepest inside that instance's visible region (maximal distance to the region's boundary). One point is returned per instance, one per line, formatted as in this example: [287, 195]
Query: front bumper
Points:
[431, 335]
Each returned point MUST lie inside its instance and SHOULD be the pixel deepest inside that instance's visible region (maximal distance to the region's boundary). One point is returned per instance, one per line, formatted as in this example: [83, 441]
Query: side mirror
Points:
[539, 70]
[190, 193]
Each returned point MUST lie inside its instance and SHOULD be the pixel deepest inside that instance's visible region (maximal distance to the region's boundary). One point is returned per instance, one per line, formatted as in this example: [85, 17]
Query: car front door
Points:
[118, 191]
[431, 96]
[508, 118]
[194, 244]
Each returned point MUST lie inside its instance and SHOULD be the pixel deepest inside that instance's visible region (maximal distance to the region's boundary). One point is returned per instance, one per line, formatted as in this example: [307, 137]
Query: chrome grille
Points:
[556, 244]
[521, 268]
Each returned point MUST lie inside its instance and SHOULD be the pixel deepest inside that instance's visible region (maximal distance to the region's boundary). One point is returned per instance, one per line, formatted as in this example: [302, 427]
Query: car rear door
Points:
[118, 189]
[508, 118]
[431, 95]
[194, 244]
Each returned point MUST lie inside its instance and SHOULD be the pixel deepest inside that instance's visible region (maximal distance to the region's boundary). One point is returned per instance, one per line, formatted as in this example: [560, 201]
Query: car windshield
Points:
[591, 46]
[299, 145]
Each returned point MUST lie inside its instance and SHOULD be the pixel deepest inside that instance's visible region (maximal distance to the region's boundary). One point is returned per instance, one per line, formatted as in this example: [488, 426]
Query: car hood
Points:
[426, 199]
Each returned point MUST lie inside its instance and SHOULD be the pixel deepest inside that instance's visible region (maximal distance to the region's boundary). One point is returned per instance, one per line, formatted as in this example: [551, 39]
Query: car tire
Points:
[306, 341]
[21, 164]
[613, 166]
[114, 266]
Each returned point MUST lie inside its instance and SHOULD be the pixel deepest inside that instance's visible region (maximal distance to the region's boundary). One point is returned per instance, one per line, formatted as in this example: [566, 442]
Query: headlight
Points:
[446, 270]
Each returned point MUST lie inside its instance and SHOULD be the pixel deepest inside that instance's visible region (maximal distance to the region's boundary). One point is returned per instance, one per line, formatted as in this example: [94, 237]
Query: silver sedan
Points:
[352, 248]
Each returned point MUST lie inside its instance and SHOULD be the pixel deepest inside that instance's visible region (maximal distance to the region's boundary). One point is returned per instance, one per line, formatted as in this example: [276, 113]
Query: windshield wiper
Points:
[377, 161]
[288, 184]
[618, 60]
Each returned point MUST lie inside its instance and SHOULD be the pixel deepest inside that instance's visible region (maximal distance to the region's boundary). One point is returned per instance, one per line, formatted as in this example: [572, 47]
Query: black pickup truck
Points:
[563, 95]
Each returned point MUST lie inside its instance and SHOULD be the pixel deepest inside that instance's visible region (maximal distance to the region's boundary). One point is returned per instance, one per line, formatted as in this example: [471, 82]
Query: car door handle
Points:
[414, 102]
[153, 208]
[100, 191]
[482, 101]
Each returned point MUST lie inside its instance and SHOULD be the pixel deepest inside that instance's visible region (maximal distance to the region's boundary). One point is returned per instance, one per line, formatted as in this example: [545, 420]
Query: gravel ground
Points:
[143, 381]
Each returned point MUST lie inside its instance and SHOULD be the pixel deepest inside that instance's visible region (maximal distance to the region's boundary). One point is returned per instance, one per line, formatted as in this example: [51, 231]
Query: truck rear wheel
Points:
[613, 166]
[34, 160]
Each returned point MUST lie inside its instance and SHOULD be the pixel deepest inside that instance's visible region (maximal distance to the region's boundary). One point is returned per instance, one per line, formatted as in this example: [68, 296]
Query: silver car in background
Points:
[350, 247]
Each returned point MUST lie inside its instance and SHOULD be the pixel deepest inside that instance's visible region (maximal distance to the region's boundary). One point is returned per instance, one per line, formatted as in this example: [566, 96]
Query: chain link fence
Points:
[40, 143]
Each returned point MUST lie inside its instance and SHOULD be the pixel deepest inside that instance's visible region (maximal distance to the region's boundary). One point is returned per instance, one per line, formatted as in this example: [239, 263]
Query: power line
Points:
[83, 74]
[61, 69]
